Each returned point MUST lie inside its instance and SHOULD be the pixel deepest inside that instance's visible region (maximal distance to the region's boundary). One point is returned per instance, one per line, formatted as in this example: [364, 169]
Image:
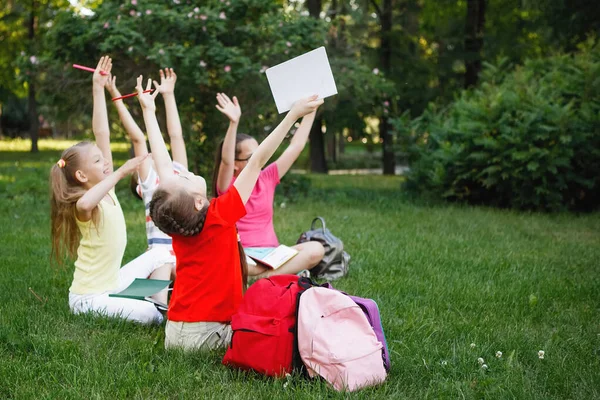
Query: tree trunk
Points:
[314, 8]
[473, 40]
[331, 146]
[33, 117]
[34, 124]
[341, 144]
[318, 163]
[388, 159]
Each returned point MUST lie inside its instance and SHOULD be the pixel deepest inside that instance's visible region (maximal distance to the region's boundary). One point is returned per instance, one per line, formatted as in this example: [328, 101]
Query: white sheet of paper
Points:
[301, 77]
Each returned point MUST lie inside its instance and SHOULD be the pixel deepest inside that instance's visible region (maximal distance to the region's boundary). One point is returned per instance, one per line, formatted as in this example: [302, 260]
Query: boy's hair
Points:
[174, 214]
[65, 191]
[239, 138]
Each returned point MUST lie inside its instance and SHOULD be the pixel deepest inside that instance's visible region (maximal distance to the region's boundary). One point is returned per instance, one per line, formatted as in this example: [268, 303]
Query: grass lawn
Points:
[453, 284]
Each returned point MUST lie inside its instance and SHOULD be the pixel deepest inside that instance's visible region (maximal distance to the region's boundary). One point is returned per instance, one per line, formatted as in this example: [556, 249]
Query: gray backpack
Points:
[335, 262]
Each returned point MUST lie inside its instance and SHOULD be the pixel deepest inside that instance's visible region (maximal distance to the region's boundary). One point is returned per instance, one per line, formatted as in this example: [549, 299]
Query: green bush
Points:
[526, 138]
[292, 188]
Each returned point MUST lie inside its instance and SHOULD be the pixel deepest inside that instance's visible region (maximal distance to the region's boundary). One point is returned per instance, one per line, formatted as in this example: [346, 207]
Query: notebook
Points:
[142, 289]
[272, 257]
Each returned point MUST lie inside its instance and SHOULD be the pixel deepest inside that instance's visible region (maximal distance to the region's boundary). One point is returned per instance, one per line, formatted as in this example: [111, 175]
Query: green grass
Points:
[444, 276]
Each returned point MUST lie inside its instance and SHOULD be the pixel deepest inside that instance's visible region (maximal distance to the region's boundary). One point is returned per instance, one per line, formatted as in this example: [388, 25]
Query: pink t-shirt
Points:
[256, 228]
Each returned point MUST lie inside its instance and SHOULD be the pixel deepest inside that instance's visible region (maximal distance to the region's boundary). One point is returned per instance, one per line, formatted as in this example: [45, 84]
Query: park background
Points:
[481, 235]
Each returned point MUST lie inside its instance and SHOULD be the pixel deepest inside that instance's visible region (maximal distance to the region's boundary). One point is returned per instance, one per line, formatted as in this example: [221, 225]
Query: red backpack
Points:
[264, 326]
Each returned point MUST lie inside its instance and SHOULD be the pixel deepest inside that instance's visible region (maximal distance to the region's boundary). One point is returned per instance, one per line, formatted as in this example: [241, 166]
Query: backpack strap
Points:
[297, 364]
[312, 225]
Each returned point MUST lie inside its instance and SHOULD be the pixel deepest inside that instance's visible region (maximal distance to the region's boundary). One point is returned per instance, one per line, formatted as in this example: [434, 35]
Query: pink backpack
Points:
[336, 341]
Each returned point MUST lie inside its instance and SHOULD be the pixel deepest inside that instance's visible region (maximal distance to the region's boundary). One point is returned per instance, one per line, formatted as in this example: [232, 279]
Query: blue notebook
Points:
[142, 289]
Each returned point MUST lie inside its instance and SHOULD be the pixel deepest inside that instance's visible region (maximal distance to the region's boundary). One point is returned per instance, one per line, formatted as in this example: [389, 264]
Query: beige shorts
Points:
[197, 335]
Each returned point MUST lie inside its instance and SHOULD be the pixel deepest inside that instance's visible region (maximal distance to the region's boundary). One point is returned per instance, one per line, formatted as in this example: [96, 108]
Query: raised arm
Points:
[233, 111]
[167, 88]
[131, 127]
[291, 154]
[249, 175]
[160, 155]
[100, 116]
[90, 200]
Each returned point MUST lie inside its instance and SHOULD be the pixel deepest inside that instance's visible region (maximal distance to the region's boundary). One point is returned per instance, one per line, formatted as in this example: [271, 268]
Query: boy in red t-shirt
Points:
[211, 270]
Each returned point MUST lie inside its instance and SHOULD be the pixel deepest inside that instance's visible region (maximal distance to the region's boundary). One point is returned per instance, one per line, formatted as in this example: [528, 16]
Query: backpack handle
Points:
[312, 225]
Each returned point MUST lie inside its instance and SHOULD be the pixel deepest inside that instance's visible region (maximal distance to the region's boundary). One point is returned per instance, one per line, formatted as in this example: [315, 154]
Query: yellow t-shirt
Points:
[100, 250]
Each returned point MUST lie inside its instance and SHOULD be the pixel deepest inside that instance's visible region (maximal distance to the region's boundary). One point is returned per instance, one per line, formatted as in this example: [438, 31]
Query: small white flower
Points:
[444, 362]
[541, 354]
[498, 354]
[376, 71]
[202, 64]
[480, 361]
[282, 205]
[33, 60]
[484, 367]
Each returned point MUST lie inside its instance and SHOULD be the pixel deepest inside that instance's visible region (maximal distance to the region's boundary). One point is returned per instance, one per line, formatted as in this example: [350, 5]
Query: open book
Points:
[142, 289]
[272, 257]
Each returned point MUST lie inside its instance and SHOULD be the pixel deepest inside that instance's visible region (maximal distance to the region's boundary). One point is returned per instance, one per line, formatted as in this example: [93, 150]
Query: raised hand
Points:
[104, 65]
[167, 81]
[146, 99]
[132, 165]
[305, 106]
[231, 109]
[111, 86]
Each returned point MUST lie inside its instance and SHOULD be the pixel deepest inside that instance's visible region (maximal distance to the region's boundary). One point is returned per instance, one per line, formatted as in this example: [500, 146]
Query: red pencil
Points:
[88, 69]
[130, 95]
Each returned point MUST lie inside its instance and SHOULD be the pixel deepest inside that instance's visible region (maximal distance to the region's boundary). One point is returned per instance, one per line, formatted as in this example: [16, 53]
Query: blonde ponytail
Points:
[65, 191]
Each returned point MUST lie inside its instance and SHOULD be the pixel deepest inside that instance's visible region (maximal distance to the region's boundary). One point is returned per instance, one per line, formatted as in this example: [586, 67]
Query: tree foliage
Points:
[213, 45]
[527, 138]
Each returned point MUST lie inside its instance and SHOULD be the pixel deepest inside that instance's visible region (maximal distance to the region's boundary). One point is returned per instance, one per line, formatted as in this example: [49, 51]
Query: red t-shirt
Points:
[208, 287]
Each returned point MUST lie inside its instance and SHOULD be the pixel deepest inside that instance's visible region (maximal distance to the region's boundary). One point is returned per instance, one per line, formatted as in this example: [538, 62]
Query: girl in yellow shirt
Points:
[88, 223]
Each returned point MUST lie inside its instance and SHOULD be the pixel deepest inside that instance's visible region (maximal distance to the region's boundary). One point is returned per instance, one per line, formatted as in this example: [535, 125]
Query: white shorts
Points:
[134, 310]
